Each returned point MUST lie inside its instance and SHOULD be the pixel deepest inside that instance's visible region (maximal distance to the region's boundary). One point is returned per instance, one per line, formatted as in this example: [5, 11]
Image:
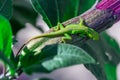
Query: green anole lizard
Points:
[60, 30]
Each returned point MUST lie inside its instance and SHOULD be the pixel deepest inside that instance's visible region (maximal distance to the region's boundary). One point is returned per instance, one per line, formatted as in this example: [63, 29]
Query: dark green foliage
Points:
[100, 57]
[5, 78]
[97, 70]
[6, 42]
[54, 11]
[53, 57]
[7, 62]
[6, 8]
[45, 79]
[110, 71]
[106, 55]
[5, 36]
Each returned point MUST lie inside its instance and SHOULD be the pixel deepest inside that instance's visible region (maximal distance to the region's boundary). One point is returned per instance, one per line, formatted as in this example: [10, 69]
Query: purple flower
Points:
[113, 5]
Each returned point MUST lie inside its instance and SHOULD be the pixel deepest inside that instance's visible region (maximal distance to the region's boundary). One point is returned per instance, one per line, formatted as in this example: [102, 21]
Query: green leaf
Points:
[97, 70]
[111, 47]
[106, 50]
[6, 8]
[54, 11]
[112, 42]
[25, 59]
[96, 50]
[14, 60]
[6, 42]
[7, 62]
[5, 36]
[4, 78]
[67, 55]
[55, 56]
[45, 79]
[110, 70]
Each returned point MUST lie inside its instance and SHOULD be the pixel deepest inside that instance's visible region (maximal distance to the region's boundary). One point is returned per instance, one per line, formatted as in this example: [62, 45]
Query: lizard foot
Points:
[66, 37]
[93, 34]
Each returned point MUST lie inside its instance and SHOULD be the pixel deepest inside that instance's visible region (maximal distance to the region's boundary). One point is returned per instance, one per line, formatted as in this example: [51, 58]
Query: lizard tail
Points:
[40, 36]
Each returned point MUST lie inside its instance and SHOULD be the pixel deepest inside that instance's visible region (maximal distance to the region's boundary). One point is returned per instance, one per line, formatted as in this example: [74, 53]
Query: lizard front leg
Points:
[58, 27]
[66, 37]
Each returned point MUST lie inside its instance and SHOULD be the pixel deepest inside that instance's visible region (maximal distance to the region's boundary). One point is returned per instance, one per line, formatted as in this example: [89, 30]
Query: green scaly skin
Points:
[60, 30]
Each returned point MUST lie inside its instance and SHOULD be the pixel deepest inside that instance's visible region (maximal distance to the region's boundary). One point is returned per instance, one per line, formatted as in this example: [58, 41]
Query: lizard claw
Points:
[63, 40]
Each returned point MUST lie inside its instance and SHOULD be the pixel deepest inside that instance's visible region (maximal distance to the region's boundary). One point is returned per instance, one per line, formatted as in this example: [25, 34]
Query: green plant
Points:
[46, 55]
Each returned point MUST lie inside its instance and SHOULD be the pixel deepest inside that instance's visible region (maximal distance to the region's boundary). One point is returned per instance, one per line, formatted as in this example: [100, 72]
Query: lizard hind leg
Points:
[93, 34]
[66, 37]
